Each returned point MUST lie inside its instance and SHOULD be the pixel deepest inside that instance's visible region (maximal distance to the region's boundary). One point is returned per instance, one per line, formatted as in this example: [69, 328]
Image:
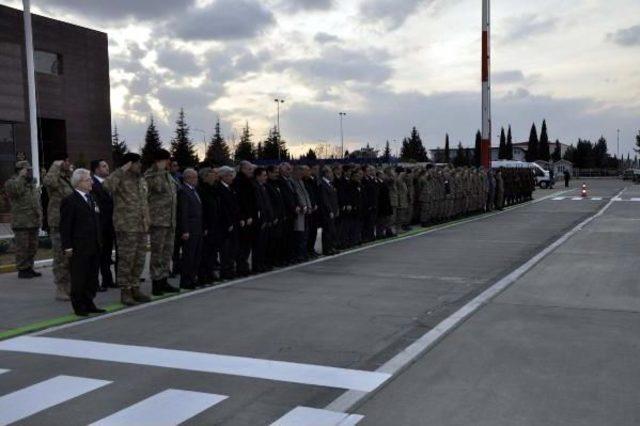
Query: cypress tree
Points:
[181, 146]
[502, 150]
[477, 152]
[386, 156]
[557, 152]
[152, 144]
[532, 147]
[509, 149]
[447, 150]
[218, 150]
[118, 147]
[543, 148]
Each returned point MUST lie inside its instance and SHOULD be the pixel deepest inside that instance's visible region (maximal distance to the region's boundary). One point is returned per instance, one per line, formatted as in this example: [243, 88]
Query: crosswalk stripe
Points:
[314, 417]
[307, 374]
[167, 408]
[2, 370]
[635, 199]
[35, 398]
[559, 198]
[577, 198]
[596, 198]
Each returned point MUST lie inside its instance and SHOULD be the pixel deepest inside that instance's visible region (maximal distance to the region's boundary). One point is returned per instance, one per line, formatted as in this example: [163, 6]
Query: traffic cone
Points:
[584, 190]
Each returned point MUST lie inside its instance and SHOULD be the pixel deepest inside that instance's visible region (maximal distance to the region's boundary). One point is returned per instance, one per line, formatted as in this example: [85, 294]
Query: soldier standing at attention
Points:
[162, 200]
[58, 187]
[26, 216]
[499, 190]
[131, 222]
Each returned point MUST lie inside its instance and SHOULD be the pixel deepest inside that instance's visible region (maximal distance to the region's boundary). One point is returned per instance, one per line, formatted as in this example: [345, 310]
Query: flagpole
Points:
[31, 83]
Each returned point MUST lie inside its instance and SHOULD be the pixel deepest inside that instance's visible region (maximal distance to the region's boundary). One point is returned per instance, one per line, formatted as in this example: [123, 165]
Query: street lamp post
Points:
[342, 114]
[31, 86]
[278, 102]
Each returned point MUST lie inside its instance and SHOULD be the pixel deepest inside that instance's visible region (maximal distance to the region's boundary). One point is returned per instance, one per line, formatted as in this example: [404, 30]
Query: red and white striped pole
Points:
[485, 147]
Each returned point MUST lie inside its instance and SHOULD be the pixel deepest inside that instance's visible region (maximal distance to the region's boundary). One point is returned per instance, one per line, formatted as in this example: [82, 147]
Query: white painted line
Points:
[596, 198]
[33, 399]
[635, 199]
[2, 371]
[617, 198]
[307, 374]
[168, 408]
[577, 198]
[405, 358]
[558, 198]
[305, 416]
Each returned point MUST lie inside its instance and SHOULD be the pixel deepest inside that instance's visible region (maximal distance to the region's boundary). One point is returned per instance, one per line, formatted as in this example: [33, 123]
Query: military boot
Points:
[126, 297]
[168, 288]
[157, 288]
[139, 296]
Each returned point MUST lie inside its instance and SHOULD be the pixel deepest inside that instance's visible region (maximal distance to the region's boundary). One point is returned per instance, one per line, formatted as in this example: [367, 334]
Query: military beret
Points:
[23, 165]
[131, 157]
[162, 154]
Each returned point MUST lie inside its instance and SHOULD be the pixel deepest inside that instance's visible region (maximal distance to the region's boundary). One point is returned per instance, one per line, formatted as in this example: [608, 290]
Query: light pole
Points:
[204, 142]
[278, 102]
[342, 115]
[31, 86]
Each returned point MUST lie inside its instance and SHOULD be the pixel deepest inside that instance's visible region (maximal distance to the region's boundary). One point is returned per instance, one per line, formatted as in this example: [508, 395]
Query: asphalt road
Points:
[261, 349]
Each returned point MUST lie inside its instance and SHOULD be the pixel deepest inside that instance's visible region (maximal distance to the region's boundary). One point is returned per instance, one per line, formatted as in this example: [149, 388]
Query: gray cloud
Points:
[323, 38]
[115, 10]
[519, 28]
[626, 36]
[391, 13]
[306, 5]
[181, 62]
[509, 76]
[342, 65]
[222, 20]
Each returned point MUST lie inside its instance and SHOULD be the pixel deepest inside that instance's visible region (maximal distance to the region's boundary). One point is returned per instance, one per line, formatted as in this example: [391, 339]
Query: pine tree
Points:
[259, 151]
[152, 144]
[181, 146]
[543, 148]
[405, 150]
[477, 152]
[413, 149]
[509, 149]
[532, 147]
[447, 150]
[502, 150]
[218, 150]
[637, 142]
[118, 147]
[386, 156]
[460, 159]
[310, 155]
[245, 150]
[557, 152]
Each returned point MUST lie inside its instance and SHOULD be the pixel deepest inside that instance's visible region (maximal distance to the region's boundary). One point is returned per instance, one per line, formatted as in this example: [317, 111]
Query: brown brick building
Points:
[72, 89]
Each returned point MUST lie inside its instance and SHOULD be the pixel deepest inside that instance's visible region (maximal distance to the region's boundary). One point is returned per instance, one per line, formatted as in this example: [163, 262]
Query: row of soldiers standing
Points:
[231, 225]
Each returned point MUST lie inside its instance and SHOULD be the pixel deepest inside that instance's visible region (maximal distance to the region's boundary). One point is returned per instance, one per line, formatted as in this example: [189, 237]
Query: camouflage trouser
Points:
[401, 216]
[26, 242]
[61, 274]
[162, 239]
[131, 256]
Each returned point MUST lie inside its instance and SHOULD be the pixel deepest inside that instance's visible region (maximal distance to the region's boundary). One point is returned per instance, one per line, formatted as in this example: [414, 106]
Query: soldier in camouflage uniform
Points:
[26, 217]
[163, 201]
[58, 187]
[499, 202]
[427, 192]
[131, 223]
[403, 200]
[391, 183]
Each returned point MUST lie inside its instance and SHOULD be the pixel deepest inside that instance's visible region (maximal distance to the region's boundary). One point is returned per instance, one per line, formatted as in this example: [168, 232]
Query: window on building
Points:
[47, 62]
[7, 151]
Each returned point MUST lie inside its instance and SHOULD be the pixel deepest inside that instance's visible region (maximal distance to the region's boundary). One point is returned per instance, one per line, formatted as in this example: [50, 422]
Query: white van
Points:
[543, 178]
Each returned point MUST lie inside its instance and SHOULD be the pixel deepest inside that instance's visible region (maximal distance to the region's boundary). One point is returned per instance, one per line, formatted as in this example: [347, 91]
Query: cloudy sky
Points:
[389, 64]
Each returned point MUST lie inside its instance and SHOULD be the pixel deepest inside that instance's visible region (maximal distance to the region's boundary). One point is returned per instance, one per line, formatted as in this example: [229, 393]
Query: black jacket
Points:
[105, 204]
[210, 207]
[289, 196]
[277, 200]
[263, 203]
[229, 213]
[79, 225]
[246, 196]
[329, 201]
[190, 207]
[369, 194]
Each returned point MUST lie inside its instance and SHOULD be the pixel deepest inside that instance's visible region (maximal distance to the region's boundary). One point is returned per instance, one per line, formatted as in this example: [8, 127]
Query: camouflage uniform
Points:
[499, 190]
[26, 217]
[131, 223]
[391, 183]
[163, 199]
[425, 198]
[58, 187]
[403, 200]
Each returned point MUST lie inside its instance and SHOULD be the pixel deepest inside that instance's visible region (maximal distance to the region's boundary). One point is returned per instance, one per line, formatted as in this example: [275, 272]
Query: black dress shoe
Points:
[25, 274]
[81, 313]
[95, 310]
[34, 273]
[168, 288]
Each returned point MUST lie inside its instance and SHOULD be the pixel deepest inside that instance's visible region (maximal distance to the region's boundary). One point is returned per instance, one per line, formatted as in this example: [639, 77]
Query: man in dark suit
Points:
[329, 212]
[100, 171]
[190, 229]
[229, 222]
[263, 221]
[80, 238]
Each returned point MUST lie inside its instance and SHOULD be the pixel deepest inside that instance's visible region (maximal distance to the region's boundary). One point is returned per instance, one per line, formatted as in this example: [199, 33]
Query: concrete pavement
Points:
[320, 329]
